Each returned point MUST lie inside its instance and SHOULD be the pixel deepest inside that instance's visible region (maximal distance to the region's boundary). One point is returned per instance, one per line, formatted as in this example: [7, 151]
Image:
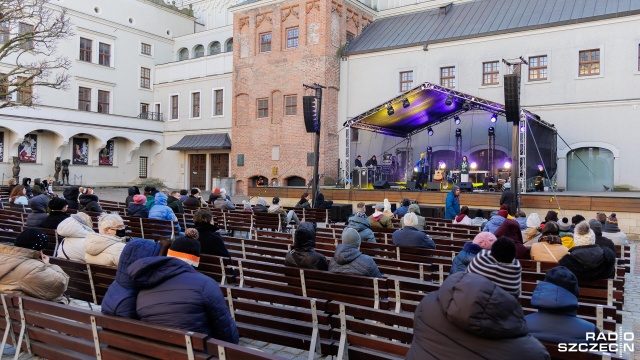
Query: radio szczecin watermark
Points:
[612, 342]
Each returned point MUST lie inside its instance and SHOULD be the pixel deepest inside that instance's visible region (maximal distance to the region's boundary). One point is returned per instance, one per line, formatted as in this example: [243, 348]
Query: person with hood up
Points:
[175, 294]
[71, 194]
[161, 211]
[89, 201]
[473, 316]
[552, 215]
[18, 196]
[415, 208]
[321, 203]
[57, 214]
[361, 224]
[74, 231]
[387, 209]
[410, 236]
[496, 221]
[565, 232]
[132, 191]
[463, 218]
[120, 298]
[556, 299]
[303, 254]
[137, 207]
[511, 229]
[509, 198]
[479, 219]
[38, 188]
[223, 203]
[533, 232]
[587, 260]
[211, 242]
[611, 230]
[304, 201]
[105, 247]
[403, 209]
[38, 205]
[549, 248]
[25, 269]
[484, 240]
[601, 240]
[521, 218]
[379, 219]
[26, 182]
[194, 200]
[349, 260]
[285, 217]
[261, 205]
[452, 204]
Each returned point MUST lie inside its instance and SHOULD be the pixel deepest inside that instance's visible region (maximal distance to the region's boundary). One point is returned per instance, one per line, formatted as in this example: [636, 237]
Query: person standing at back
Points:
[452, 204]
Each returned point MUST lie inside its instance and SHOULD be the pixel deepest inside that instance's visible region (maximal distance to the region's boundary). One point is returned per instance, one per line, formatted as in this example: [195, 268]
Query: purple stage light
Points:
[507, 164]
[494, 118]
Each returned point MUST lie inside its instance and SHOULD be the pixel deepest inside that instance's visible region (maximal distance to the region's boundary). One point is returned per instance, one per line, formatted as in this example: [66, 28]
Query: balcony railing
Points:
[151, 116]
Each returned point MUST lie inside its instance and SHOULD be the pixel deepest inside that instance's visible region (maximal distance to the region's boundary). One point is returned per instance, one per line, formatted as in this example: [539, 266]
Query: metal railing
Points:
[151, 116]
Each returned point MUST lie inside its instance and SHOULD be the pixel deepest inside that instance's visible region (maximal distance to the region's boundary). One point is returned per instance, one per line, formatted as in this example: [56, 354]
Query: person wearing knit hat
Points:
[349, 260]
[596, 226]
[137, 208]
[194, 200]
[511, 229]
[387, 209]
[361, 224]
[583, 235]
[415, 208]
[484, 240]
[564, 225]
[556, 299]
[186, 248]
[57, 214]
[533, 232]
[496, 221]
[507, 208]
[261, 205]
[611, 230]
[499, 265]
[587, 260]
[563, 230]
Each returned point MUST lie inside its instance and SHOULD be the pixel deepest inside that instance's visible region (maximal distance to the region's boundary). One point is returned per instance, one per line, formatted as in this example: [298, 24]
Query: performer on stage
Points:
[540, 179]
[358, 161]
[372, 161]
[423, 171]
[464, 170]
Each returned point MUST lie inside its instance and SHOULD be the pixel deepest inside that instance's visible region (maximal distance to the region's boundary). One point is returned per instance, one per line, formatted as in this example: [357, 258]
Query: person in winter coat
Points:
[303, 254]
[379, 219]
[521, 218]
[479, 219]
[37, 188]
[533, 232]
[173, 201]
[176, 295]
[321, 203]
[549, 249]
[132, 191]
[74, 231]
[511, 229]
[552, 215]
[587, 260]
[71, 194]
[463, 218]
[349, 260]
[194, 200]
[360, 223]
[285, 216]
[509, 198]
[410, 236]
[57, 214]
[184, 194]
[120, 298]
[556, 299]
[304, 201]
[26, 182]
[387, 209]
[611, 230]
[415, 208]
[25, 269]
[602, 218]
[499, 265]
[150, 194]
[137, 207]
[575, 220]
[496, 221]
[38, 205]
[213, 196]
[90, 202]
[484, 240]
[471, 317]
[261, 205]
[403, 209]
[161, 211]
[211, 242]
[552, 228]
[12, 183]
[223, 203]
[565, 233]
[596, 226]
[452, 204]
[19, 196]
[105, 248]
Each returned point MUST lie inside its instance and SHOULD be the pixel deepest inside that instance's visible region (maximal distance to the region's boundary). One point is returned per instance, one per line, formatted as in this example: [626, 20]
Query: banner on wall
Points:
[28, 149]
[80, 151]
[106, 154]
[1, 146]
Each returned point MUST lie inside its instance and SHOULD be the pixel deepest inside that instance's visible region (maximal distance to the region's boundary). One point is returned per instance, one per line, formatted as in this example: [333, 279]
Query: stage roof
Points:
[427, 107]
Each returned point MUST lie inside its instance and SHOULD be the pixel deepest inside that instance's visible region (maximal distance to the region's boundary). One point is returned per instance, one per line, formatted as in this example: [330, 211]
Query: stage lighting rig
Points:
[430, 131]
[405, 103]
[456, 120]
[494, 117]
[449, 100]
[390, 110]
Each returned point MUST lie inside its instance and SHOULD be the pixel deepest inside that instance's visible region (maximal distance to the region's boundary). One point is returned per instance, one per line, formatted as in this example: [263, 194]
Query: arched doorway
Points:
[296, 181]
[597, 172]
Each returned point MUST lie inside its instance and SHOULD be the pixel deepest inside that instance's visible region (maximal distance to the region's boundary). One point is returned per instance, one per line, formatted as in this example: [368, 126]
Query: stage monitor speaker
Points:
[433, 186]
[466, 186]
[381, 184]
[512, 97]
[310, 115]
[411, 185]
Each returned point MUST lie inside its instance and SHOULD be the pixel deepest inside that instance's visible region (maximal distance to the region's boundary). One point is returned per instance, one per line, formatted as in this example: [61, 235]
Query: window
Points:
[195, 105]
[183, 54]
[589, 62]
[448, 77]
[142, 171]
[490, 73]
[214, 48]
[4, 32]
[28, 41]
[292, 37]
[4, 87]
[174, 107]
[104, 54]
[290, 105]
[145, 49]
[84, 99]
[538, 68]
[350, 36]
[240, 160]
[198, 51]
[85, 49]
[263, 108]
[265, 42]
[406, 80]
[145, 78]
[103, 101]
[275, 152]
[218, 102]
[25, 93]
[229, 45]
[144, 111]
[311, 158]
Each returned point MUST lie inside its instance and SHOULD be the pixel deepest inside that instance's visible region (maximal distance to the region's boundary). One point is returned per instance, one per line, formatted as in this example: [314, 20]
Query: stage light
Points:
[522, 128]
[491, 130]
[405, 103]
[473, 165]
[494, 118]
[443, 165]
[429, 149]
[430, 131]
[456, 119]
[466, 106]
[458, 132]
[449, 100]
[507, 164]
[390, 110]
[540, 168]
[415, 169]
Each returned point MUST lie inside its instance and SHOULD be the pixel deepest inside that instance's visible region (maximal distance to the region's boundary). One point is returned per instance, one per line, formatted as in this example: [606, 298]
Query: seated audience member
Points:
[575, 220]
[511, 229]
[415, 208]
[25, 269]
[463, 218]
[246, 206]
[221, 202]
[304, 201]
[303, 254]
[565, 233]
[387, 209]
[496, 221]
[533, 232]
[611, 230]
[602, 218]
[410, 236]
[12, 184]
[479, 219]
[321, 203]
[601, 240]
[508, 208]
[379, 219]
[556, 299]
[403, 209]
[74, 231]
[150, 193]
[38, 205]
[587, 260]
[173, 201]
[549, 249]
[214, 195]
[194, 200]
[19, 196]
[521, 218]
[89, 201]
[211, 242]
[161, 211]
[223, 192]
[175, 294]
[349, 260]
[360, 223]
[37, 187]
[120, 299]
[184, 194]
[484, 240]
[105, 247]
[285, 216]
[475, 315]
[137, 208]
[26, 183]
[552, 215]
[261, 205]
[57, 214]
[131, 191]
[71, 194]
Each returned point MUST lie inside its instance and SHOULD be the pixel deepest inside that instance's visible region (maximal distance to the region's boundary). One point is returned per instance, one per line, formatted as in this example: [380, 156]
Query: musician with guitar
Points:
[423, 171]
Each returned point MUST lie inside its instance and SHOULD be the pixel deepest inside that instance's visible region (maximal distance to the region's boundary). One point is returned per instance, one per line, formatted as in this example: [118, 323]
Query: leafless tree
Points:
[29, 33]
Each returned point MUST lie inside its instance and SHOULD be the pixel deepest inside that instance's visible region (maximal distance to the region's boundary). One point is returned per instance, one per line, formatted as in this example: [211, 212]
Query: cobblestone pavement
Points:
[631, 309]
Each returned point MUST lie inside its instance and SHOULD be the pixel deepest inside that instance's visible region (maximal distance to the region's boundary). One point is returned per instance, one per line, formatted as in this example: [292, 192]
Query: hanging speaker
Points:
[512, 97]
[310, 115]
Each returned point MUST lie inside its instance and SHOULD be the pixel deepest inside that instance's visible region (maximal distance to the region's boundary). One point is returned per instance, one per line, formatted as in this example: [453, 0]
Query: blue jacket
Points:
[401, 211]
[494, 223]
[556, 319]
[452, 205]
[137, 210]
[120, 299]
[522, 221]
[423, 165]
[363, 227]
[409, 236]
[462, 260]
[161, 211]
[176, 295]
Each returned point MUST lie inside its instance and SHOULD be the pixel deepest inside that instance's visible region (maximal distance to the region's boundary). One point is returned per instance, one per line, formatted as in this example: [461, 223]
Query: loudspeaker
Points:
[310, 116]
[411, 185]
[466, 186]
[512, 97]
[433, 186]
[382, 184]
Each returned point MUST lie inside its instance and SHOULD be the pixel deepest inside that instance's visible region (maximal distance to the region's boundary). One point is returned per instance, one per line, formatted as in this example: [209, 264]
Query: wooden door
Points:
[198, 171]
[219, 165]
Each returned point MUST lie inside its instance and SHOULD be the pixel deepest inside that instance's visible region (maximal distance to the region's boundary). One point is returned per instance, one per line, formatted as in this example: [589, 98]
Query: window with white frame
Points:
[538, 68]
[4, 87]
[174, 106]
[24, 28]
[84, 98]
[265, 42]
[25, 94]
[195, 104]
[103, 101]
[85, 49]
[145, 49]
[406, 80]
[4, 32]
[448, 77]
[290, 105]
[145, 78]
[263, 108]
[490, 72]
[218, 102]
[589, 62]
[104, 54]
[292, 37]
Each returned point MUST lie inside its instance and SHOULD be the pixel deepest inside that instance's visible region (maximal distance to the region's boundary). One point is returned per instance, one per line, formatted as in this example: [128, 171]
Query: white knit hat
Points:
[533, 221]
[583, 235]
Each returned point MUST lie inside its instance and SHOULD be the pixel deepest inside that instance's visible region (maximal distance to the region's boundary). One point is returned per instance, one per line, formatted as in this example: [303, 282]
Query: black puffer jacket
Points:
[89, 202]
[303, 254]
[71, 195]
[470, 317]
[211, 242]
[303, 203]
[590, 262]
[133, 190]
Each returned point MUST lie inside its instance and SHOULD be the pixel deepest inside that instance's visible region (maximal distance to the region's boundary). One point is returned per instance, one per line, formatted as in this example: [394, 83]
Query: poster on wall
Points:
[28, 149]
[1, 146]
[106, 154]
[80, 151]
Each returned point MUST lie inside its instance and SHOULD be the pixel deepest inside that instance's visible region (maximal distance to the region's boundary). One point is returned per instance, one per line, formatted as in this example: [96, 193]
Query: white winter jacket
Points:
[103, 249]
[74, 234]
